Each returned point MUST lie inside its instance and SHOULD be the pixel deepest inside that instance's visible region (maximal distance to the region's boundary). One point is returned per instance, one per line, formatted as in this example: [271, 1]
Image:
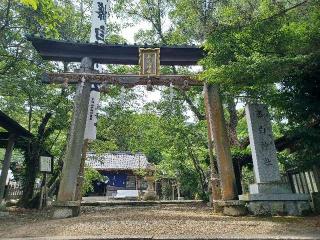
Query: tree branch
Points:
[285, 10]
[6, 22]
[193, 108]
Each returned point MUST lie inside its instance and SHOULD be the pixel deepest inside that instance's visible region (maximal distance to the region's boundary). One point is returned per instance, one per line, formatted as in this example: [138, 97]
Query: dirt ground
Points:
[163, 221]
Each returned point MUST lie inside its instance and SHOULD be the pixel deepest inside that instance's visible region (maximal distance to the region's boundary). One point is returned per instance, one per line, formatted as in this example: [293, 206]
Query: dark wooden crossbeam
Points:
[4, 135]
[68, 51]
[124, 80]
[20, 142]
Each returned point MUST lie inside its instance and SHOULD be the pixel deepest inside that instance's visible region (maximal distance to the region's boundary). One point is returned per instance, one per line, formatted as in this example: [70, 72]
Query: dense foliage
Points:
[268, 51]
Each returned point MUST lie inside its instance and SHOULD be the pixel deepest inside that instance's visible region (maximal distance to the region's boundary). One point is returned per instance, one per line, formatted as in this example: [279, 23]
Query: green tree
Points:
[91, 175]
[267, 52]
[43, 110]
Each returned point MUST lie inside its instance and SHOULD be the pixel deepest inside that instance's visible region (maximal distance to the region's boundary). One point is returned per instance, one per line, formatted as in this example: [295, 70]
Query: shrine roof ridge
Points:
[117, 161]
[73, 51]
[11, 126]
[117, 153]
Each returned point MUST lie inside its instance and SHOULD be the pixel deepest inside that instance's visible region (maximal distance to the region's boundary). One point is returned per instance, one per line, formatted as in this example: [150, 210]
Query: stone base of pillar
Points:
[267, 204]
[316, 202]
[3, 210]
[66, 209]
[272, 187]
[275, 198]
[279, 208]
[4, 214]
[150, 196]
[216, 207]
[230, 207]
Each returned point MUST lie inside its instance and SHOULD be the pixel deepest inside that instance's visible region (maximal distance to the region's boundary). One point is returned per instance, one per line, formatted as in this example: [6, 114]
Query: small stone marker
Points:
[262, 145]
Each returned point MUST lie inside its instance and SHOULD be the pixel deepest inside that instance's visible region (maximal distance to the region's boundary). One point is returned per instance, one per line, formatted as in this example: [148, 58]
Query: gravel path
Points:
[153, 221]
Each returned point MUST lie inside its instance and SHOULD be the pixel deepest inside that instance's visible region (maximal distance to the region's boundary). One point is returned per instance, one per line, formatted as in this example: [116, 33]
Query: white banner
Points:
[91, 126]
[99, 15]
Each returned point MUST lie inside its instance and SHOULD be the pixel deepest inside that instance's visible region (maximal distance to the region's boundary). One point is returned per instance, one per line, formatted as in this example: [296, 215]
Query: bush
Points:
[91, 175]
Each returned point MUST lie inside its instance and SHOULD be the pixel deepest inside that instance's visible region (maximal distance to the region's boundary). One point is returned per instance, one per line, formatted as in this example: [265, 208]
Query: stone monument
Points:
[268, 195]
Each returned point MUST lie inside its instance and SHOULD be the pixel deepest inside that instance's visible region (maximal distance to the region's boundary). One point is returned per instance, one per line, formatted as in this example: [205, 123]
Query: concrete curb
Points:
[139, 203]
[222, 237]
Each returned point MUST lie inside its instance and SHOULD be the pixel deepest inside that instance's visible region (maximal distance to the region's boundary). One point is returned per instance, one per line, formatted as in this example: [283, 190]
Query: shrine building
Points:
[122, 170]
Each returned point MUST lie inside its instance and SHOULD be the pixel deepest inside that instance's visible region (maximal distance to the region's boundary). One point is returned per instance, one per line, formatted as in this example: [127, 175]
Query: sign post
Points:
[46, 166]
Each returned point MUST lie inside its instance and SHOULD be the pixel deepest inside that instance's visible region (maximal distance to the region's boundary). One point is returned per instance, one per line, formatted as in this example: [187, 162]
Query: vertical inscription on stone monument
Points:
[262, 143]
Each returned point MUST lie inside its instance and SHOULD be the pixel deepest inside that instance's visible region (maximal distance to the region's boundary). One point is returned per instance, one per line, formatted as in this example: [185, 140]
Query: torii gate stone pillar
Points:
[66, 205]
[217, 129]
[221, 143]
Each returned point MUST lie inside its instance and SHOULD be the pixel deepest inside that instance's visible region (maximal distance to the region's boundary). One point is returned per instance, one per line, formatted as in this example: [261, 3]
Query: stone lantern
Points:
[150, 194]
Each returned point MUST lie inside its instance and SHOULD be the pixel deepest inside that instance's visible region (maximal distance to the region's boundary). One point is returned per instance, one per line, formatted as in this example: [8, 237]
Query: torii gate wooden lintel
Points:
[125, 79]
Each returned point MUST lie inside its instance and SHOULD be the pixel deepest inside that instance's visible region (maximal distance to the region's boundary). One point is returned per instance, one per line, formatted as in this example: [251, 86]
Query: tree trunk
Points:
[32, 157]
[233, 123]
[202, 176]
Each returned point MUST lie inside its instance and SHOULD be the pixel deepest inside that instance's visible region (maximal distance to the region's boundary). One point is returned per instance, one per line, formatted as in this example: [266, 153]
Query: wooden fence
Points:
[16, 192]
[303, 181]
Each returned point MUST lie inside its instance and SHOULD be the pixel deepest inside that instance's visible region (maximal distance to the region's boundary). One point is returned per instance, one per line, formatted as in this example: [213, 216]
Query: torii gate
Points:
[89, 53]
